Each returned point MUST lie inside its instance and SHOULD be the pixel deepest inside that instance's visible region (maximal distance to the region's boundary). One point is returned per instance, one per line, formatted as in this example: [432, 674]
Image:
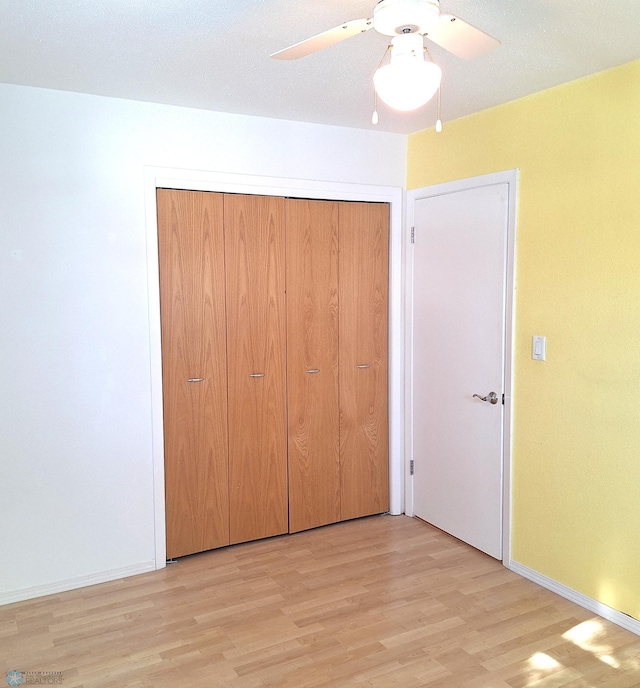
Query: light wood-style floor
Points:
[379, 602]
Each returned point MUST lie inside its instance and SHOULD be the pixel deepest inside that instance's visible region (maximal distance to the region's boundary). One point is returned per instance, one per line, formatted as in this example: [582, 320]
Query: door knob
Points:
[492, 397]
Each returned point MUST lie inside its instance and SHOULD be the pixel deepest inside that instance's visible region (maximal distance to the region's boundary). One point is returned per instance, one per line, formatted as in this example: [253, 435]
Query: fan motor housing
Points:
[395, 17]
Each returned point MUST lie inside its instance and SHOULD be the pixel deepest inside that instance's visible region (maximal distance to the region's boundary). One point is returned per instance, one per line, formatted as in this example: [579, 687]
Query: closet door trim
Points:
[195, 180]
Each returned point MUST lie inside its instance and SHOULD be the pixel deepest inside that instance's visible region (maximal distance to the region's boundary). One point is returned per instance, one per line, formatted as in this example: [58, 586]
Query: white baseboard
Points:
[74, 583]
[606, 612]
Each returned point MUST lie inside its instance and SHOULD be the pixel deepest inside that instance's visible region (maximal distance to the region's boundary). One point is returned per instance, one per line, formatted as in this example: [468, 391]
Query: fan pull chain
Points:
[439, 98]
[374, 116]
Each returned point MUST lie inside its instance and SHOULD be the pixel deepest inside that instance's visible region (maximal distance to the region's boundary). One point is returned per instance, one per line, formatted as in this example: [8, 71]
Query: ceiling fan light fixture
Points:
[408, 81]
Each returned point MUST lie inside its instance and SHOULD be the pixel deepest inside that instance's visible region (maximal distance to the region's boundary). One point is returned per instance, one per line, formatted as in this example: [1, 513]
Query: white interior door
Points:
[459, 287]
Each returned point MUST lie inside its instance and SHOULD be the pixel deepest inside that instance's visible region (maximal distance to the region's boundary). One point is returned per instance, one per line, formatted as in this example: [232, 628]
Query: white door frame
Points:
[195, 180]
[510, 177]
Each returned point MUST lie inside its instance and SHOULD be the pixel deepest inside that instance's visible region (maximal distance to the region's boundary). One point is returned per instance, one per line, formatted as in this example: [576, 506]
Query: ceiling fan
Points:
[398, 17]
[407, 22]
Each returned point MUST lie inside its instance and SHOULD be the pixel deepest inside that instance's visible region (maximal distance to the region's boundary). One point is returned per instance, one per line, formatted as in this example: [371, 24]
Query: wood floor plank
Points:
[380, 602]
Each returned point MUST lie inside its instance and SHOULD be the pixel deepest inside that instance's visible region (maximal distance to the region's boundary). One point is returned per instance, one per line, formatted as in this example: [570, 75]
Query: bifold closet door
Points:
[312, 365]
[194, 370]
[363, 295]
[256, 346]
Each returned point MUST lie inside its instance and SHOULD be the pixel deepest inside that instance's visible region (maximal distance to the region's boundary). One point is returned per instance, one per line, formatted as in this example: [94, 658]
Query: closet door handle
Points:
[195, 379]
[365, 365]
[256, 374]
[312, 370]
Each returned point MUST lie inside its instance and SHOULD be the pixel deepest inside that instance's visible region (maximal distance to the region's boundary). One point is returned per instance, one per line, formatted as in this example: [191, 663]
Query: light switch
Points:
[539, 348]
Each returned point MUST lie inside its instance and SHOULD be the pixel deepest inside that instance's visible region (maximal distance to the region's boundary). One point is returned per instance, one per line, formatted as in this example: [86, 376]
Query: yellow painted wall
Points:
[576, 452]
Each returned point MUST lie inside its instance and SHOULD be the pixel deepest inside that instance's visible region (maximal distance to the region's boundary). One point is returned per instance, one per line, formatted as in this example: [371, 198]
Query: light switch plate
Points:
[539, 348]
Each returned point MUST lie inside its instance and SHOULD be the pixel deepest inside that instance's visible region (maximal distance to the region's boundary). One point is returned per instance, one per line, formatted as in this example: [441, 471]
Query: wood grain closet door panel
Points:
[191, 253]
[364, 279]
[255, 264]
[312, 365]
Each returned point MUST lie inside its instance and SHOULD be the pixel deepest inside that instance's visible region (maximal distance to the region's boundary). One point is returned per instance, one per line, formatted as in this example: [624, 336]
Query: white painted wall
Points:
[75, 396]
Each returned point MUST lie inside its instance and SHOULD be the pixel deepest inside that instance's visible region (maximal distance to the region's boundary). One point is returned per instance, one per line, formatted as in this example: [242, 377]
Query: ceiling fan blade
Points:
[324, 39]
[460, 38]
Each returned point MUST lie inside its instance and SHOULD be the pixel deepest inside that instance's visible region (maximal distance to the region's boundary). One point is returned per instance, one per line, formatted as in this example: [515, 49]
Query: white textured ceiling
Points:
[214, 54]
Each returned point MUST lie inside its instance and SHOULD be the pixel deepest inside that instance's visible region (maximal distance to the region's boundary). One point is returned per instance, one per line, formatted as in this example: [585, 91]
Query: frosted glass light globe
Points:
[408, 81]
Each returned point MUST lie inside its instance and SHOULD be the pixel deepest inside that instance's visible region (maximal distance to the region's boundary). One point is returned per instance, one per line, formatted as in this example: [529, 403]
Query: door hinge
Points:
[503, 399]
[411, 467]
[413, 235]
